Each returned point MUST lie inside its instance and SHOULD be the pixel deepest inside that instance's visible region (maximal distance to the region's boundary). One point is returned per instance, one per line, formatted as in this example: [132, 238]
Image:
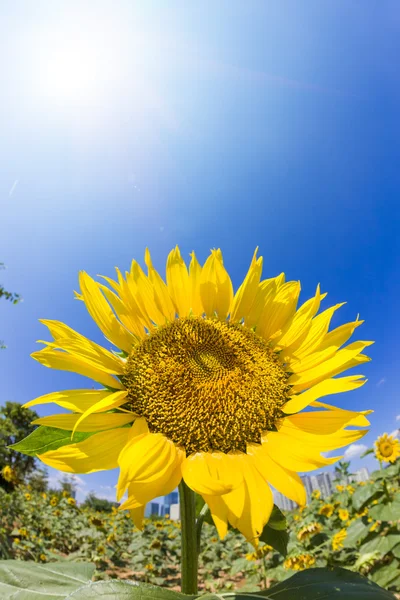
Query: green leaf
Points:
[381, 543]
[277, 520]
[369, 451]
[356, 533]
[386, 512]
[384, 575]
[44, 439]
[275, 538]
[326, 584]
[34, 581]
[128, 590]
[366, 493]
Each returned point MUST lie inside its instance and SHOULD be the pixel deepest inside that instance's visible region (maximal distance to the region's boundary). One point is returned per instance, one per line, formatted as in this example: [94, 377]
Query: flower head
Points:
[343, 514]
[208, 385]
[316, 494]
[326, 510]
[260, 552]
[28, 497]
[71, 501]
[308, 530]
[299, 562]
[54, 501]
[338, 539]
[8, 473]
[387, 448]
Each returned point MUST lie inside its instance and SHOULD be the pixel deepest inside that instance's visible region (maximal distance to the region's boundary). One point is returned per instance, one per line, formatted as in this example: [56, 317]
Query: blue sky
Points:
[230, 124]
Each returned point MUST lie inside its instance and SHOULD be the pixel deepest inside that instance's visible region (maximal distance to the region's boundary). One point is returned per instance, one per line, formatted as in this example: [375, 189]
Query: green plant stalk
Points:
[199, 525]
[382, 470]
[189, 553]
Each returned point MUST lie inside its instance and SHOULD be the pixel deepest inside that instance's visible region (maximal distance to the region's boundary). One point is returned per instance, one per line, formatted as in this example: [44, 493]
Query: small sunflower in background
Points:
[387, 448]
[205, 384]
[299, 562]
[308, 530]
[327, 510]
[8, 474]
[338, 539]
[343, 514]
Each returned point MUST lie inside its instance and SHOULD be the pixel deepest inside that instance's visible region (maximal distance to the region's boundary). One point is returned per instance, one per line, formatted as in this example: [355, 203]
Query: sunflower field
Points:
[357, 528]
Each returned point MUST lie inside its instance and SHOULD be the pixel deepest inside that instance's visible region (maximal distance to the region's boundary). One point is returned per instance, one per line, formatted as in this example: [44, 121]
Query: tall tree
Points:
[15, 425]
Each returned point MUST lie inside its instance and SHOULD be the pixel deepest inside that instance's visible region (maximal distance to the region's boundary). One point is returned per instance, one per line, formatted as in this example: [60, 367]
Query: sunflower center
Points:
[206, 384]
[386, 449]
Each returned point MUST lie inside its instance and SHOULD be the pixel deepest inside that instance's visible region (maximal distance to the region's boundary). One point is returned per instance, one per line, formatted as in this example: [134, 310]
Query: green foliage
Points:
[27, 581]
[15, 424]
[45, 528]
[43, 439]
[342, 469]
[98, 504]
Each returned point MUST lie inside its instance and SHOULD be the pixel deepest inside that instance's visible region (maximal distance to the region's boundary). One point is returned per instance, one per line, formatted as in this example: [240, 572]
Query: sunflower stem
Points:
[199, 525]
[189, 554]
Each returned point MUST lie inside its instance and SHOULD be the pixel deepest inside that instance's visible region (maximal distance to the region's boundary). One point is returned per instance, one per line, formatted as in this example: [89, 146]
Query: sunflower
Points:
[299, 562]
[204, 385]
[326, 510]
[387, 448]
[308, 530]
[8, 473]
[338, 539]
[343, 514]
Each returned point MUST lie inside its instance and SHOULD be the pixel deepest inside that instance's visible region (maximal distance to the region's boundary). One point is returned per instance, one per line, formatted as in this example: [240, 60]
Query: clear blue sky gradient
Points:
[228, 124]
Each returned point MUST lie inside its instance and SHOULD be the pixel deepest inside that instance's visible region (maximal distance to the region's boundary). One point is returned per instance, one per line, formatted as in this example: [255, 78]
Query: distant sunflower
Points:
[387, 448]
[207, 385]
[338, 539]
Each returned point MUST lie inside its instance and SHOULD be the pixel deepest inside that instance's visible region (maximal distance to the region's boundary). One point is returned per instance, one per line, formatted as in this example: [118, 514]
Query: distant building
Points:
[282, 502]
[172, 498]
[175, 512]
[152, 509]
[323, 482]
[360, 475]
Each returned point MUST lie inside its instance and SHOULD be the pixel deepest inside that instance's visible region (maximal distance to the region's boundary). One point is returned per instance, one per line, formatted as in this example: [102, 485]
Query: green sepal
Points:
[44, 439]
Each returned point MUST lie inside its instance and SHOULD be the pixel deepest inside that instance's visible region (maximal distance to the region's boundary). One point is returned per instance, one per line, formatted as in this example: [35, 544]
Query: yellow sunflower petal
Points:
[128, 314]
[144, 459]
[318, 330]
[298, 327]
[55, 359]
[219, 513]
[279, 309]
[194, 278]
[140, 493]
[143, 291]
[137, 516]
[285, 481]
[98, 453]
[178, 282]
[75, 400]
[250, 504]
[113, 401]
[246, 294]
[327, 421]
[331, 367]
[74, 343]
[216, 289]
[267, 290]
[211, 473]
[101, 313]
[98, 422]
[325, 388]
[293, 456]
[161, 293]
[323, 442]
